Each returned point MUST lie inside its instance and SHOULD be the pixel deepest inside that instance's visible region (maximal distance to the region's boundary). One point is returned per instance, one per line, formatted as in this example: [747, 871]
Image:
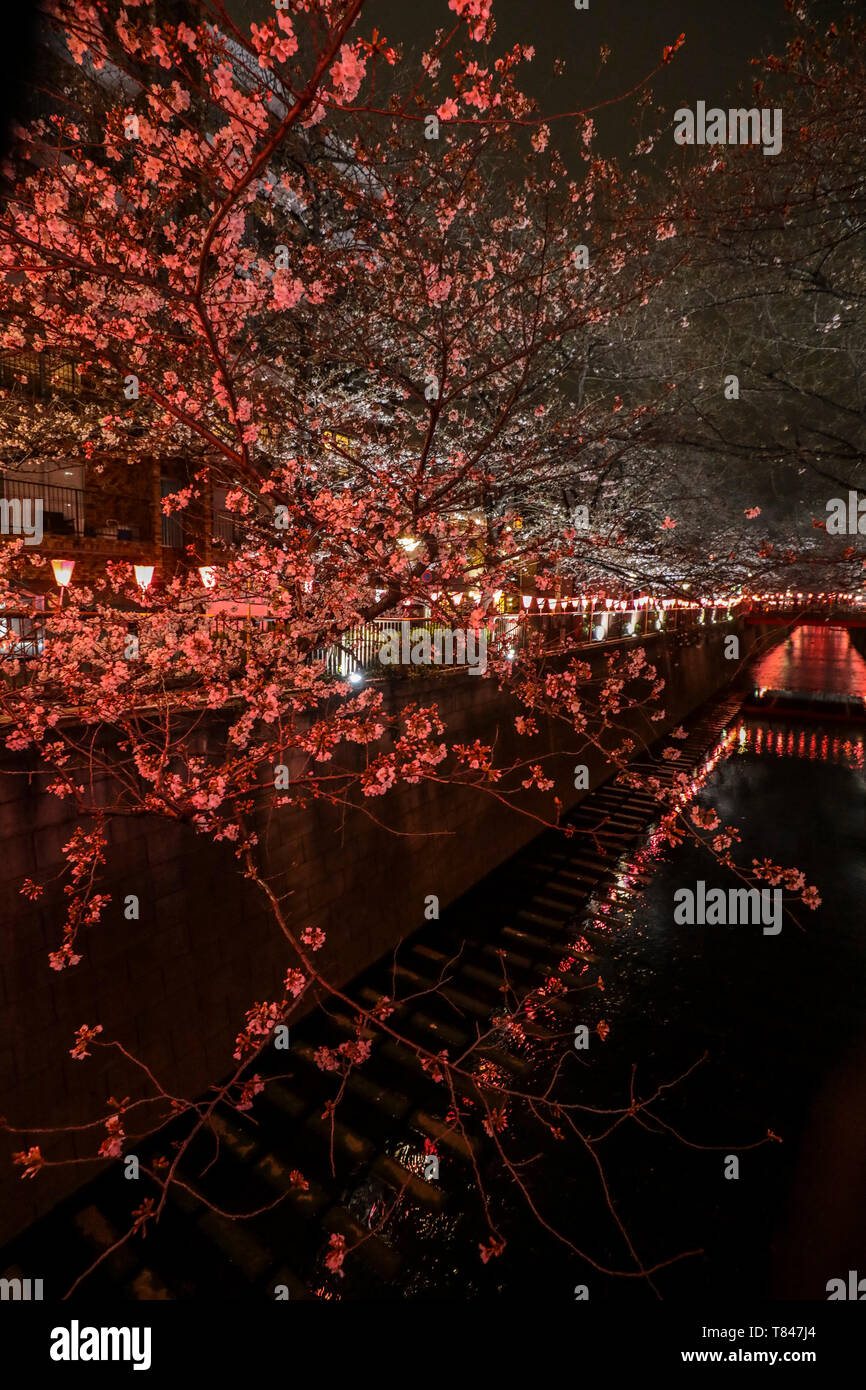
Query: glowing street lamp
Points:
[62, 575]
[143, 576]
[208, 576]
[62, 571]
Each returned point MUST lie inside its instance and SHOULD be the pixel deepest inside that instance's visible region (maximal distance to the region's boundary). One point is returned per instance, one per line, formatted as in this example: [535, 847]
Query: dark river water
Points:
[814, 658]
[779, 1022]
[781, 1018]
[723, 1036]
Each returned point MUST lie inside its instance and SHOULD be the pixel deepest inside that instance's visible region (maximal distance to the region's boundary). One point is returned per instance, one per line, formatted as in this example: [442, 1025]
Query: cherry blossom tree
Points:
[759, 328]
[374, 307]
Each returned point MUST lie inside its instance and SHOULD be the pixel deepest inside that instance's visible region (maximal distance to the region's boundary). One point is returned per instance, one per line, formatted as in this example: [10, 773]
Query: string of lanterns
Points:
[592, 602]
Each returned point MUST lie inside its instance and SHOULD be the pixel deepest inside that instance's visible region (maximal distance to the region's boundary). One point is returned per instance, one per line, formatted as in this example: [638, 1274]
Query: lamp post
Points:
[62, 576]
[143, 577]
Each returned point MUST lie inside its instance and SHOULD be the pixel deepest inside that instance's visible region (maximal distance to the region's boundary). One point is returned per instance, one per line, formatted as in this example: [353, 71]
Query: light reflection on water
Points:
[814, 659]
[781, 1020]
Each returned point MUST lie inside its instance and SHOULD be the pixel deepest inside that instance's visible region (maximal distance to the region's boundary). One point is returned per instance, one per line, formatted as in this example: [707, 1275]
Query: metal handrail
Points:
[62, 507]
[358, 649]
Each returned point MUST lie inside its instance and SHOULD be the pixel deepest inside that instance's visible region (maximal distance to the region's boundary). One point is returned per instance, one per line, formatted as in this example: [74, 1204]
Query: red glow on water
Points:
[814, 659]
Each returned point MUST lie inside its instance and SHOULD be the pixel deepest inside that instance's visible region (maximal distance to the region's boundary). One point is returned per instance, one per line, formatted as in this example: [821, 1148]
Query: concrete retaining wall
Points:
[173, 987]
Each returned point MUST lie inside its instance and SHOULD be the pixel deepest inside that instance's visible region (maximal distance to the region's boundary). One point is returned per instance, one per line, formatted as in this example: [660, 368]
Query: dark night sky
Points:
[17, 60]
[720, 40]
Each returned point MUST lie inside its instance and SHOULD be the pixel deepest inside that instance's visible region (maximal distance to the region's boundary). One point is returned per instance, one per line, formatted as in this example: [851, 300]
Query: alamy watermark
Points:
[737, 907]
[419, 647]
[22, 517]
[77, 1343]
[854, 1289]
[737, 126]
[846, 519]
[21, 1290]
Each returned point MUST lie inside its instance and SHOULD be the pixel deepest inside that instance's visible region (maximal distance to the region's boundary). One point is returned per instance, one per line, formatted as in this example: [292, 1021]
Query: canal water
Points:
[774, 1028]
[742, 1051]
[814, 659]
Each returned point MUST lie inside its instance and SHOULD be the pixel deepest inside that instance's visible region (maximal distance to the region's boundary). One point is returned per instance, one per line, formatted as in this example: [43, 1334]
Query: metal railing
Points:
[64, 511]
[227, 528]
[62, 507]
[172, 531]
[21, 636]
[827, 611]
[359, 649]
[39, 373]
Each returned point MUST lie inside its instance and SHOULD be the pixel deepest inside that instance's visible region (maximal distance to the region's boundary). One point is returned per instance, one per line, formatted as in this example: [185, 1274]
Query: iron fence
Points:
[359, 650]
[64, 511]
[226, 527]
[62, 507]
